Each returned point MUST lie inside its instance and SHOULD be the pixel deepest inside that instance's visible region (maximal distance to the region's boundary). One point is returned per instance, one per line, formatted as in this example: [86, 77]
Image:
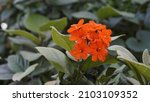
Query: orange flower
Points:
[90, 39]
[78, 35]
[76, 27]
[79, 51]
[98, 51]
[105, 36]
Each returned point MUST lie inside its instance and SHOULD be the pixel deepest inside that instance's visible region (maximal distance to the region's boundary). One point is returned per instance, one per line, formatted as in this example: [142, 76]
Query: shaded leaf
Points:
[20, 75]
[44, 66]
[90, 64]
[56, 58]
[61, 40]
[16, 63]
[140, 1]
[30, 56]
[62, 2]
[84, 14]
[21, 41]
[5, 72]
[140, 43]
[59, 24]
[147, 18]
[24, 34]
[108, 11]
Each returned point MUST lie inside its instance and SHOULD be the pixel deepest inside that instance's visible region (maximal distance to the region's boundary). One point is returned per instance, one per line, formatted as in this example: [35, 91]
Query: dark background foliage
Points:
[130, 17]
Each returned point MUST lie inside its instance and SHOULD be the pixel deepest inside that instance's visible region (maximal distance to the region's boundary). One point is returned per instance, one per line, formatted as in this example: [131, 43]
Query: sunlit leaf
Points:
[141, 68]
[116, 37]
[146, 57]
[61, 40]
[59, 24]
[33, 21]
[121, 51]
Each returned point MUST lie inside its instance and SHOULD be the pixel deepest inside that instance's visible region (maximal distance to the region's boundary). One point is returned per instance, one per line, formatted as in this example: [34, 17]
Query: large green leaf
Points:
[22, 41]
[56, 58]
[27, 55]
[24, 34]
[85, 14]
[20, 75]
[121, 51]
[16, 63]
[108, 11]
[59, 24]
[141, 68]
[140, 43]
[33, 21]
[5, 72]
[90, 64]
[61, 40]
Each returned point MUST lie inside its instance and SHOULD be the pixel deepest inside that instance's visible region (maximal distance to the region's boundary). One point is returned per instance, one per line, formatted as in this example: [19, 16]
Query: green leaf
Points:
[140, 43]
[56, 58]
[116, 37]
[20, 75]
[121, 51]
[33, 21]
[16, 63]
[146, 57]
[61, 40]
[43, 67]
[5, 72]
[27, 55]
[24, 34]
[108, 11]
[85, 14]
[21, 41]
[133, 81]
[62, 2]
[141, 68]
[59, 24]
[90, 64]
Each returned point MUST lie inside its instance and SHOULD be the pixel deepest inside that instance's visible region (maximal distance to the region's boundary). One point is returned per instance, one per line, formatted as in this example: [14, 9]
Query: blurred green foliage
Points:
[29, 24]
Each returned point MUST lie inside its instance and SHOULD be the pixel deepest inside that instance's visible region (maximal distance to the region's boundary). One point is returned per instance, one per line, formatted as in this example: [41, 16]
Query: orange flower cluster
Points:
[91, 39]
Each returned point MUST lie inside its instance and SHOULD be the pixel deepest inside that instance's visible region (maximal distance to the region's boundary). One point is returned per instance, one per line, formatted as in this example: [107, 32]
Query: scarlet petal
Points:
[101, 58]
[84, 56]
[94, 58]
[81, 21]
